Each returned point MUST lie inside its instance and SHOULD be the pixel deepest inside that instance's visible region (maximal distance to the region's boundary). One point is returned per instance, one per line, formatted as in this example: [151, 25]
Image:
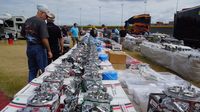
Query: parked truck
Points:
[187, 26]
[140, 23]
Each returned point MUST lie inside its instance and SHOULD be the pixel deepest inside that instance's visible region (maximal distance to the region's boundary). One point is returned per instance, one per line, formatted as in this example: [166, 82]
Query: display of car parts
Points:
[49, 87]
[92, 75]
[187, 93]
[83, 63]
[63, 71]
[173, 105]
[44, 100]
[69, 59]
[89, 106]
[71, 103]
[77, 82]
[165, 103]
[97, 96]
[93, 86]
[54, 77]
[78, 69]
[71, 100]
[173, 47]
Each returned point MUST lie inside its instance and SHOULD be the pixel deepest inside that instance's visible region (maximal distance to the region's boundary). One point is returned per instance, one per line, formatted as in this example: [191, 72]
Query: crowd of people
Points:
[45, 40]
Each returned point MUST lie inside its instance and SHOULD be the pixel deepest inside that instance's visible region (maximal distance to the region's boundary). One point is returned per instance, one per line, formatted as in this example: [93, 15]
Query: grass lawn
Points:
[13, 67]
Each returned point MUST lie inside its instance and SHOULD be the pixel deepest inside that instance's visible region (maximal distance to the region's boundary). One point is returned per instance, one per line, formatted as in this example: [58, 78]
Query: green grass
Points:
[13, 67]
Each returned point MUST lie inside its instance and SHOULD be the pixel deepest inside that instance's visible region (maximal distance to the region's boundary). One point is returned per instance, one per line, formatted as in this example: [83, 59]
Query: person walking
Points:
[65, 31]
[75, 33]
[93, 32]
[122, 34]
[106, 33]
[55, 39]
[36, 34]
[10, 39]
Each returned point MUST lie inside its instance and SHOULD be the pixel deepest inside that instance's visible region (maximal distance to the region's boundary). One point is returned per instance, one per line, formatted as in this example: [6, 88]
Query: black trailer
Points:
[187, 26]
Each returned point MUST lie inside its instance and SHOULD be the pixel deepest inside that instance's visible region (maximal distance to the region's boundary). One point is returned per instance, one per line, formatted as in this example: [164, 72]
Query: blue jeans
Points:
[37, 59]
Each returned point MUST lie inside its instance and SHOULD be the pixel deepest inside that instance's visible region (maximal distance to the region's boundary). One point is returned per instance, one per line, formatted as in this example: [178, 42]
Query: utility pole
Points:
[80, 15]
[99, 15]
[57, 10]
[177, 1]
[122, 6]
[145, 6]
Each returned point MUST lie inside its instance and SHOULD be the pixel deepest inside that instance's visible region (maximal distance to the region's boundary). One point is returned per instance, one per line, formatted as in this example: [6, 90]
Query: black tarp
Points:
[187, 26]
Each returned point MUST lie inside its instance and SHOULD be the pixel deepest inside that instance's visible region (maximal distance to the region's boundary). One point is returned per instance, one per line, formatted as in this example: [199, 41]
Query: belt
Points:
[31, 44]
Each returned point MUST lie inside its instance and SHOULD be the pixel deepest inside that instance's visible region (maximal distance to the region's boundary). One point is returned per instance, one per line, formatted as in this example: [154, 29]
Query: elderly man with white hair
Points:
[36, 34]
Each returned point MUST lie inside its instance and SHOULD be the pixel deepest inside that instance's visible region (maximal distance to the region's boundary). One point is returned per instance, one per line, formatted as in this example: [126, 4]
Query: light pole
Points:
[57, 10]
[145, 7]
[23, 12]
[80, 15]
[99, 15]
[122, 5]
[177, 5]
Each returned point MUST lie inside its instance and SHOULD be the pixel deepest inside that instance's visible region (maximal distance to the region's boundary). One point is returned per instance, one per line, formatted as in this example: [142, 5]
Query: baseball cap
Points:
[51, 17]
[44, 8]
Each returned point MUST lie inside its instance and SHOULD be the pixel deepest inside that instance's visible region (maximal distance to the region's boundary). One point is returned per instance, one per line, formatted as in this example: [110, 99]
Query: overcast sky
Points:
[69, 11]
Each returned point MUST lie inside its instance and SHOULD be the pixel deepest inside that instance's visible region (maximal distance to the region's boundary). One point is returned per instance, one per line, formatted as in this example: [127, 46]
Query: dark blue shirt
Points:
[34, 29]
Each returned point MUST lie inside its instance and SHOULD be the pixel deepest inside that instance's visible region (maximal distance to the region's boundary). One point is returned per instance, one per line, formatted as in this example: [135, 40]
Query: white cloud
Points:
[68, 11]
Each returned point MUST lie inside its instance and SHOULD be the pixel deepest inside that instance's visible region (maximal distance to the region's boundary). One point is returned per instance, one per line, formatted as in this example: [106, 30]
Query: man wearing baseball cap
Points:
[36, 34]
[55, 38]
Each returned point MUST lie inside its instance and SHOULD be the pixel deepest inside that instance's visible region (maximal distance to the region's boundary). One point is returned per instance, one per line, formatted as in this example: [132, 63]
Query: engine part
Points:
[49, 87]
[186, 93]
[54, 77]
[44, 100]
[97, 96]
[95, 107]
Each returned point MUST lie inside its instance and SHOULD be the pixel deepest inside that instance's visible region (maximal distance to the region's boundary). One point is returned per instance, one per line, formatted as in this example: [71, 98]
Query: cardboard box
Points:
[119, 66]
[117, 57]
